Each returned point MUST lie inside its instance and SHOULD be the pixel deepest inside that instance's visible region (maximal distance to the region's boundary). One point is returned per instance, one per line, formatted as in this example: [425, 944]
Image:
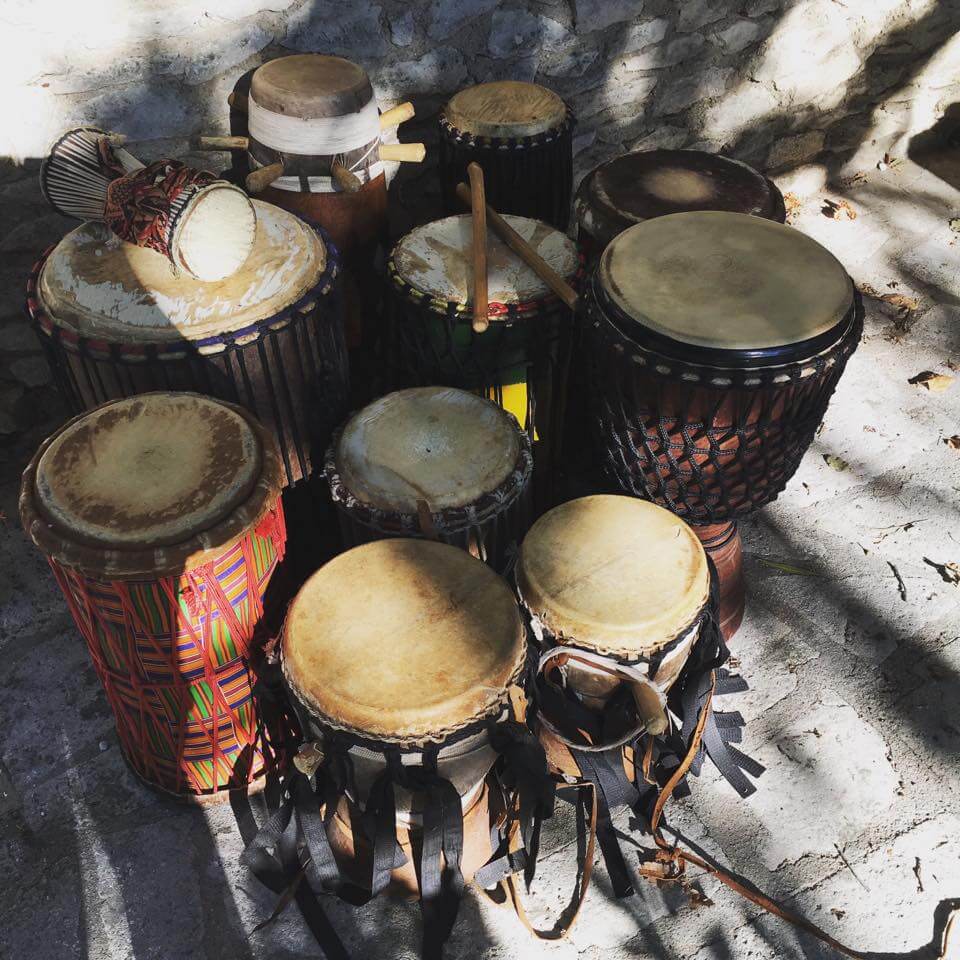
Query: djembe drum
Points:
[715, 341]
[655, 183]
[619, 598]
[435, 462]
[516, 362]
[114, 321]
[406, 662]
[521, 134]
[161, 518]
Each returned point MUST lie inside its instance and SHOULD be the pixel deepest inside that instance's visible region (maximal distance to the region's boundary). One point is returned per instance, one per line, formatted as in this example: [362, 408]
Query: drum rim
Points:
[362, 92]
[202, 547]
[448, 520]
[552, 131]
[45, 323]
[477, 141]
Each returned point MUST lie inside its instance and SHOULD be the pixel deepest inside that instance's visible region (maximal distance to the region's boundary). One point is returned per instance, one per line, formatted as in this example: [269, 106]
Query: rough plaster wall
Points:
[779, 83]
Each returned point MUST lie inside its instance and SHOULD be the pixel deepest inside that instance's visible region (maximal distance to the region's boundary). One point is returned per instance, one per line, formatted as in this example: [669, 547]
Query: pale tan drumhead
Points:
[403, 639]
[725, 280]
[98, 285]
[437, 260]
[613, 574]
[149, 470]
[309, 85]
[445, 446]
[505, 109]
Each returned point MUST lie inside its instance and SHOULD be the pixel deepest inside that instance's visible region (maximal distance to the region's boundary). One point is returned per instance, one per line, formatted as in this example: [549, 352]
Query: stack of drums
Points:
[639, 186]
[434, 462]
[715, 341]
[521, 134]
[517, 360]
[115, 321]
[161, 518]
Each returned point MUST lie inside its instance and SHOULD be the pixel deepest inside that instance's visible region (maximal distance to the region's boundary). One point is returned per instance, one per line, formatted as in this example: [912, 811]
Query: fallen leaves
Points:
[838, 209]
[934, 382]
[791, 203]
[901, 586]
[953, 442]
[949, 572]
[955, 224]
[835, 462]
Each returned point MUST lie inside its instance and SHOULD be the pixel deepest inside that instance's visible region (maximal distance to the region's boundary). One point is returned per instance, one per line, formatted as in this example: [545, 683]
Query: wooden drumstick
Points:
[221, 143]
[403, 152]
[478, 207]
[396, 115]
[523, 250]
[238, 101]
[348, 182]
[261, 178]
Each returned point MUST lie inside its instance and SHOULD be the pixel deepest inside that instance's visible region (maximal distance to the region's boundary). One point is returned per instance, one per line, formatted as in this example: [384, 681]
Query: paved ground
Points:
[853, 655]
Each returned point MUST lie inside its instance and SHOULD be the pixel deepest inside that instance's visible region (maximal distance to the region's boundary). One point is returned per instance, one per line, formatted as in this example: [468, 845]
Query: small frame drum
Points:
[521, 134]
[434, 458]
[620, 600]
[515, 362]
[715, 341]
[161, 518]
[115, 321]
[655, 183]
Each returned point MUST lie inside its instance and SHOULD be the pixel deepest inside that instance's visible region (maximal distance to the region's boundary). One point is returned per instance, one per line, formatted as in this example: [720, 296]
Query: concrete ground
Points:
[851, 645]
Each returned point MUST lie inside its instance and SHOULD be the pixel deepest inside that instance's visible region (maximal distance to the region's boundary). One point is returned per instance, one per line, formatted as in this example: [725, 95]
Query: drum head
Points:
[725, 282]
[436, 260]
[445, 446]
[100, 286]
[613, 574]
[655, 183]
[403, 640]
[506, 109]
[149, 470]
[310, 85]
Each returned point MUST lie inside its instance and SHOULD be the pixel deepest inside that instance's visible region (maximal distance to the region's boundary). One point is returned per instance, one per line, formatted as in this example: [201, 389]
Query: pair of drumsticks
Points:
[482, 213]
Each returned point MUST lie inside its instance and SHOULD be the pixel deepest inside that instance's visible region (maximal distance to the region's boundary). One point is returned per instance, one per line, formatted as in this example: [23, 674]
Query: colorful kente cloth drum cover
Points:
[715, 341]
[115, 321]
[161, 519]
[460, 459]
[655, 183]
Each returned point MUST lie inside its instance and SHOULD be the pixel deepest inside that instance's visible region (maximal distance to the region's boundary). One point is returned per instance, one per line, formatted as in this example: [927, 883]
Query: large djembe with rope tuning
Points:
[714, 343]
[433, 462]
[161, 518]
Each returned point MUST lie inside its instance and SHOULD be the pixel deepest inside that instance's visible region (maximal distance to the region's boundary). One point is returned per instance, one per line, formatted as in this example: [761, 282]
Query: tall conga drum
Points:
[655, 183]
[430, 338]
[521, 134]
[433, 462]
[161, 518]
[714, 343]
[619, 596]
[406, 660]
[115, 320]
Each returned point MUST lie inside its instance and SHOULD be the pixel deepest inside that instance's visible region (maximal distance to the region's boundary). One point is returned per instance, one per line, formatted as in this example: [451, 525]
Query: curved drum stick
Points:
[478, 207]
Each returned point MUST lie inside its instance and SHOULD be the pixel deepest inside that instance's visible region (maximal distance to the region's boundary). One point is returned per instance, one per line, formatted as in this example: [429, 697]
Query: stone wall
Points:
[779, 83]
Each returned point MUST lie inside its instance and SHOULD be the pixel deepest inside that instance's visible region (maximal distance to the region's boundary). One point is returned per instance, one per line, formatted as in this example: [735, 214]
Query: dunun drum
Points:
[515, 362]
[640, 186]
[115, 321]
[521, 134]
[307, 111]
[160, 516]
[434, 462]
[619, 597]
[715, 341]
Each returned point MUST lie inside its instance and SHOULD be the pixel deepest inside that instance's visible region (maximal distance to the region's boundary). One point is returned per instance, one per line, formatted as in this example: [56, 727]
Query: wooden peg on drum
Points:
[220, 143]
[396, 115]
[478, 207]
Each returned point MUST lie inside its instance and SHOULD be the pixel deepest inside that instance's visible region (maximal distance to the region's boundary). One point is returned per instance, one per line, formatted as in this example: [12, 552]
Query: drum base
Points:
[722, 542]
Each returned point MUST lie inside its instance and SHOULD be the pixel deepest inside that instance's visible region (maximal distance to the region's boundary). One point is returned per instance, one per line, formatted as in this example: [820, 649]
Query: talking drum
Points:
[406, 660]
[655, 183]
[115, 321]
[521, 134]
[160, 516]
[715, 341]
[430, 336]
[619, 596]
[434, 462]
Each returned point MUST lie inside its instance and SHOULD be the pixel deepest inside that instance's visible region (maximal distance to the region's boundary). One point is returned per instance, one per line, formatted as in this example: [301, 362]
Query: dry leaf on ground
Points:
[953, 442]
[838, 209]
[791, 203]
[837, 463]
[949, 572]
[785, 567]
[934, 382]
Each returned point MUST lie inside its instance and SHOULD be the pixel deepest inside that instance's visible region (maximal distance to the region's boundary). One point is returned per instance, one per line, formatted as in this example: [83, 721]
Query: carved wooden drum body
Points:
[521, 134]
[161, 518]
[115, 321]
